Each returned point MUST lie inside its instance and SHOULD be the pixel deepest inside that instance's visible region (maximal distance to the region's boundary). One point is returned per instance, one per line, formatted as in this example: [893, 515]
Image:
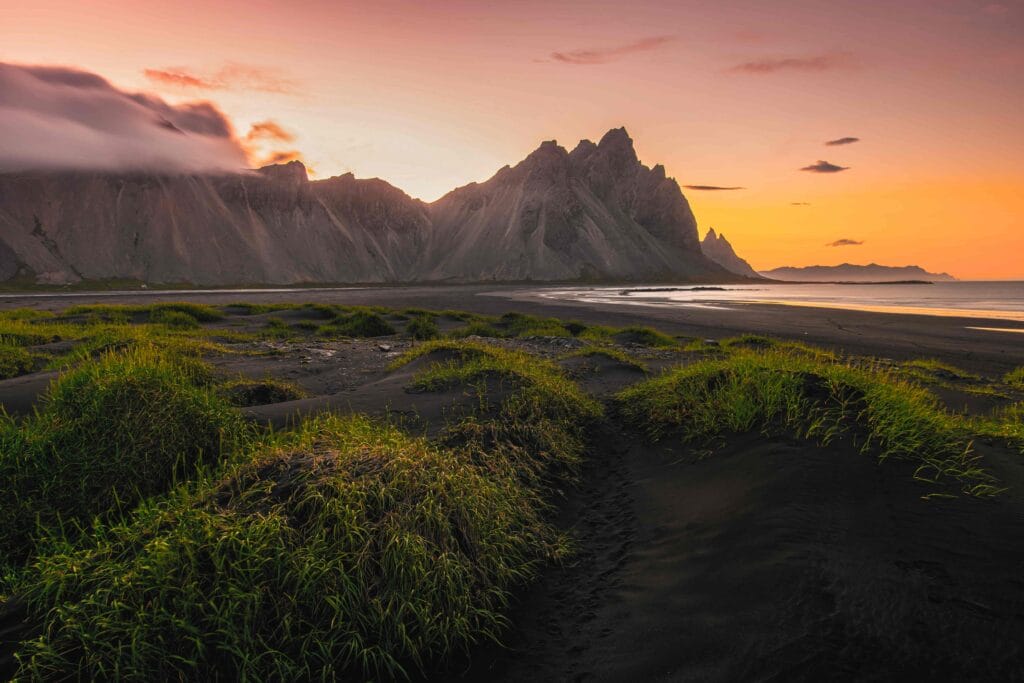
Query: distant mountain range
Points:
[848, 272]
[593, 214]
[718, 249]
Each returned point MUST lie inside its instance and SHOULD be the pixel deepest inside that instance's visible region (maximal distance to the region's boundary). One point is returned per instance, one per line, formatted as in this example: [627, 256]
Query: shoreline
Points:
[960, 340]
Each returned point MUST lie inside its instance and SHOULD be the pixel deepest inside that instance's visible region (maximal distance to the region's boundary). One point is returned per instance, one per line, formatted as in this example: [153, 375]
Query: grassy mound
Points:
[1015, 378]
[15, 360]
[645, 336]
[534, 432]
[607, 353]
[249, 392]
[358, 323]
[110, 433]
[422, 328]
[352, 550]
[477, 328]
[781, 393]
[172, 318]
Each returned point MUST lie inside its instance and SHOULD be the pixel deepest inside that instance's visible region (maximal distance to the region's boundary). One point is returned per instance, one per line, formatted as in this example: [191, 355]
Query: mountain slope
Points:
[718, 249]
[267, 227]
[595, 214]
[848, 272]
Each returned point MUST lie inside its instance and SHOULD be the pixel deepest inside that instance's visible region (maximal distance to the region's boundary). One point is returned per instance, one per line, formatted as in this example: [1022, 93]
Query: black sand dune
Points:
[772, 560]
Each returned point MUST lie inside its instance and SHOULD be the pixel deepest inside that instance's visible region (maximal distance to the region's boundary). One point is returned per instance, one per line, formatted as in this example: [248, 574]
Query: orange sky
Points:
[431, 95]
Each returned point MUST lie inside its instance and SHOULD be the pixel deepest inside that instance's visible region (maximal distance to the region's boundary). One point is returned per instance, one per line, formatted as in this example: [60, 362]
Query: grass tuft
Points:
[782, 393]
[645, 336]
[15, 361]
[1015, 378]
[110, 433]
[422, 328]
[244, 392]
[351, 550]
[359, 323]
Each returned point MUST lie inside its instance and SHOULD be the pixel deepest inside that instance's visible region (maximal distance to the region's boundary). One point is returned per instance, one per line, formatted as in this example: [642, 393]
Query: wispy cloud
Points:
[281, 157]
[842, 141]
[772, 65]
[824, 167]
[844, 242]
[268, 130]
[712, 187]
[799, 203]
[231, 76]
[603, 55]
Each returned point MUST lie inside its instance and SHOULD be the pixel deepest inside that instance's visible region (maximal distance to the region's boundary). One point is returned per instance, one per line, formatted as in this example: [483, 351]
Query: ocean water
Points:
[989, 300]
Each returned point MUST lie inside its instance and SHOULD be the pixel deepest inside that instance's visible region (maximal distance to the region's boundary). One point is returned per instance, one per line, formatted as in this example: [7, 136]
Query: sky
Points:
[921, 100]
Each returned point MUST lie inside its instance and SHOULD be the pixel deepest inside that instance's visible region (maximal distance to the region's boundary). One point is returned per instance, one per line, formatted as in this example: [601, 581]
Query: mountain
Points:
[718, 249]
[595, 213]
[848, 272]
[273, 226]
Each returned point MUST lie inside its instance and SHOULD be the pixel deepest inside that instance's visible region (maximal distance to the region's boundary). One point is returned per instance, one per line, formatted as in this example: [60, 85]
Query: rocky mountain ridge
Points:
[595, 213]
[717, 248]
[849, 272]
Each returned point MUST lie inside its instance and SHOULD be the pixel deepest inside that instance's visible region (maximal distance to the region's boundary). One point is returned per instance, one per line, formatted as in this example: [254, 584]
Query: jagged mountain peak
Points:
[617, 138]
[548, 152]
[292, 171]
[595, 213]
[717, 248]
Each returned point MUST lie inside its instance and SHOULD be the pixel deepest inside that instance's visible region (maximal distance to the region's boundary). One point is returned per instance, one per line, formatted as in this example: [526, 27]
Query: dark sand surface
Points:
[771, 560]
[763, 560]
[888, 335]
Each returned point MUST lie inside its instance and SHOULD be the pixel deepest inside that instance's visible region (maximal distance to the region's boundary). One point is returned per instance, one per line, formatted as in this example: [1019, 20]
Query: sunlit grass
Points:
[109, 433]
[350, 550]
[784, 393]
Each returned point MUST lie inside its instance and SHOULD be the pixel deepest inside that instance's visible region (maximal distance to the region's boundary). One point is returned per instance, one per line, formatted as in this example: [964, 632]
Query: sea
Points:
[984, 300]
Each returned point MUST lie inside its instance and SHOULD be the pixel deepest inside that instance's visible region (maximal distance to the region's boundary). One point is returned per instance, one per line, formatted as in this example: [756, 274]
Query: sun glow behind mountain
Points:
[910, 149]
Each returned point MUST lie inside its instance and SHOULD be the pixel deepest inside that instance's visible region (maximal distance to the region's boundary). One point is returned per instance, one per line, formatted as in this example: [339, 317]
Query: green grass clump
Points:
[122, 313]
[477, 328]
[611, 353]
[350, 551]
[522, 325]
[598, 333]
[936, 368]
[25, 314]
[15, 361]
[358, 324]
[275, 328]
[1015, 378]
[244, 392]
[247, 308]
[201, 312]
[781, 393]
[110, 433]
[646, 336]
[749, 341]
[530, 419]
[175, 319]
[422, 328]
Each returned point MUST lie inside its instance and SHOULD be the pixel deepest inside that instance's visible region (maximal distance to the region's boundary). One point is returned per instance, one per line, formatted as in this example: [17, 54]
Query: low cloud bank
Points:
[54, 117]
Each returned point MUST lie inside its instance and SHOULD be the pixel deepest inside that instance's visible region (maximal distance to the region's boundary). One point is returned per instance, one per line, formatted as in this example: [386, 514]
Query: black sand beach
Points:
[770, 559]
[888, 335]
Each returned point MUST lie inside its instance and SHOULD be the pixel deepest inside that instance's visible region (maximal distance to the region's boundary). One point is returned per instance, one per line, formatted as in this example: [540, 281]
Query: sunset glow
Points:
[921, 100]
